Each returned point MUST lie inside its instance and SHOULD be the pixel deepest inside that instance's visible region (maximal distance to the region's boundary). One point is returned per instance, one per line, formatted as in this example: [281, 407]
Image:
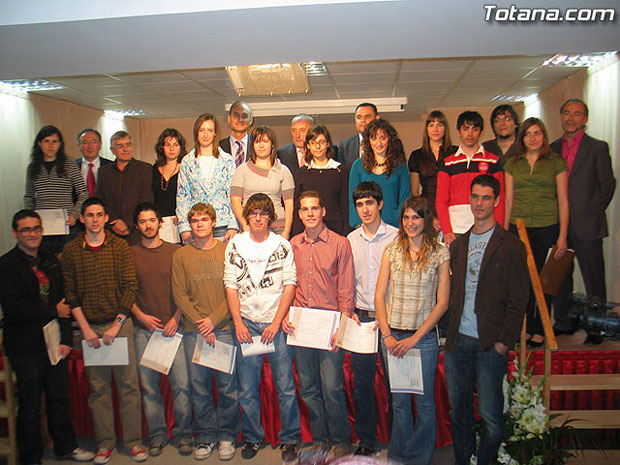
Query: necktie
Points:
[301, 157]
[90, 180]
[239, 156]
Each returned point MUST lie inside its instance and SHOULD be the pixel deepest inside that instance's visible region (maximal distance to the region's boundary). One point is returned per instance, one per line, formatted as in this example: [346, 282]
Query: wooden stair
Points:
[582, 419]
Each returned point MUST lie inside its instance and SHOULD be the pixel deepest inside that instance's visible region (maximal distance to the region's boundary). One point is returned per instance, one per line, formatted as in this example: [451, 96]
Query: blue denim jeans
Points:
[414, 442]
[152, 401]
[364, 369]
[208, 425]
[35, 375]
[249, 370]
[321, 386]
[466, 365]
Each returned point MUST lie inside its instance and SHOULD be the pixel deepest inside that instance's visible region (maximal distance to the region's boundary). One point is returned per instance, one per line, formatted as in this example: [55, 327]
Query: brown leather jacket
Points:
[502, 292]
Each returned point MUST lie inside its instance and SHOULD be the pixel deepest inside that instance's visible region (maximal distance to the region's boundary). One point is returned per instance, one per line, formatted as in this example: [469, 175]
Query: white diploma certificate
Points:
[54, 221]
[314, 328]
[160, 351]
[169, 231]
[362, 338]
[51, 334]
[257, 347]
[116, 353]
[406, 373]
[221, 357]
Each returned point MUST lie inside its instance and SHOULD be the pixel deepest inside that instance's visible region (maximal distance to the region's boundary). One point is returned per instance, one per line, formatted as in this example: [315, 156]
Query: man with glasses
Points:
[238, 144]
[123, 185]
[505, 124]
[31, 296]
[260, 278]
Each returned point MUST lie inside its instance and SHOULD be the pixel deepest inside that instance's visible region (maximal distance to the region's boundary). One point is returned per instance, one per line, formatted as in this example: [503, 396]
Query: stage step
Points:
[587, 419]
[581, 382]
[592, 457]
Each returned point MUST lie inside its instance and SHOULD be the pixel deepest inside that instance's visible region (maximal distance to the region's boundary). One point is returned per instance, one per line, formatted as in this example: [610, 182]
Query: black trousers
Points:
[592, 265]
[34, 376]
[541, 240]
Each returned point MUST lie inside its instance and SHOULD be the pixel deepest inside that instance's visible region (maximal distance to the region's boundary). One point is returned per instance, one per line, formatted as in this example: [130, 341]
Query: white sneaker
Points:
[203, 450]
[226, 450]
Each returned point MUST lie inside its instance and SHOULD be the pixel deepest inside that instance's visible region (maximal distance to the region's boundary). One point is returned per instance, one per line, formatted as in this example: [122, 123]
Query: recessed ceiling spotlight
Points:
[120, 114]
[578, 60]
[315, 68]
[29, 85]
[510, 98]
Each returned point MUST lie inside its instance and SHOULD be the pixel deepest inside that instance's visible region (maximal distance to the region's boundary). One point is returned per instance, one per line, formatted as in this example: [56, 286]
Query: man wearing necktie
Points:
[89, 145]
[238, 144]
[292, 155]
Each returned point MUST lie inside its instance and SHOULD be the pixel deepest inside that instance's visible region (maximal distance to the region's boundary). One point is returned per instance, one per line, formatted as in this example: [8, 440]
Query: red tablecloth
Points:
[581, 362]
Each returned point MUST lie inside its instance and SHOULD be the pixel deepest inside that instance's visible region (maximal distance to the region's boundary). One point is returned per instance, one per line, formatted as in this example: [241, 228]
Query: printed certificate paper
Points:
[114, 354]
[169, 231]
[160, 351]
[362, 338]
[256, 348]
[51, 334]
[314, 328]
[221, 357]
[406, 373]
[54, 221]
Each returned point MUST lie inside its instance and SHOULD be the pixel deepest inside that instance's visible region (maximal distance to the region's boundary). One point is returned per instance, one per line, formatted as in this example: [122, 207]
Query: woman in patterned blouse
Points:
[416, 270]
[205, 176]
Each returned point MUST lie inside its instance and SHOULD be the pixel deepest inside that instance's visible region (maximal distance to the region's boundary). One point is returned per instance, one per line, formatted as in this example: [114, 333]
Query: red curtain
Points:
[581, 362]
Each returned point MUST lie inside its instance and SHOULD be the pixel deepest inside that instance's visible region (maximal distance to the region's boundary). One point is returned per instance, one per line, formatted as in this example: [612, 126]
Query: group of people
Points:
[354, 229]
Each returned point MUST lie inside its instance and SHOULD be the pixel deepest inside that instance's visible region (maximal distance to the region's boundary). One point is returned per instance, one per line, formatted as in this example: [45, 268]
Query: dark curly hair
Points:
[395, 154]
[161, 141]
[36, 155]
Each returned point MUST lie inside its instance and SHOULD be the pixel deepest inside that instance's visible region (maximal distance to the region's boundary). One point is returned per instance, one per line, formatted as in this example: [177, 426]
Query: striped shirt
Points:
[49, 190]
[102, 282]
[412, 294]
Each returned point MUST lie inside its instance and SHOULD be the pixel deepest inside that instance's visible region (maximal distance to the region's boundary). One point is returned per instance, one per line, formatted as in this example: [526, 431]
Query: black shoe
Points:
[249, 449]
[563, 332]
[290, 452]
[361, 450]
[594, 339]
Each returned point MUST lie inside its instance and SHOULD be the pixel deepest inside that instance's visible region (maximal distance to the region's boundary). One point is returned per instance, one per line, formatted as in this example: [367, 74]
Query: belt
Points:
[365, 313]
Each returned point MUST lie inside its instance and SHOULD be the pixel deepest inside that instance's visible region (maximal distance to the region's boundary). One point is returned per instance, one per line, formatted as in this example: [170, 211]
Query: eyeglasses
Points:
[317, 143]
[258, 213]
[240, 116]
[36, 229]
[506, 119]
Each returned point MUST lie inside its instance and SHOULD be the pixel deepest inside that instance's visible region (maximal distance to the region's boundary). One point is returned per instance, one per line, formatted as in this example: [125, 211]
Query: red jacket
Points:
[454, 179]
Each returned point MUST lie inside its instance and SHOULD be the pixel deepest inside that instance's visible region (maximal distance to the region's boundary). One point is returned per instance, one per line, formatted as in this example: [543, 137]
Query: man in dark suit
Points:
[591, 186]
[238, 144]
[293, 155]
[489, 290]
[89, 145]
[349, 149]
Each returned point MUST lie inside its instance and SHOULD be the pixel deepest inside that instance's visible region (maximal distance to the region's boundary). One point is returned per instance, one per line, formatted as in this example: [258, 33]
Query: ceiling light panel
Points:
[269, 79]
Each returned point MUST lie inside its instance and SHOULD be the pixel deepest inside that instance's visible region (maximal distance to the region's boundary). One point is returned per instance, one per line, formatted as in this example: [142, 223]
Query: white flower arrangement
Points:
[529, 440]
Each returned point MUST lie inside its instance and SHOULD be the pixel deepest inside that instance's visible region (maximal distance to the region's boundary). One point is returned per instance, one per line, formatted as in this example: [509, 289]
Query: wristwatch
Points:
[120, 319]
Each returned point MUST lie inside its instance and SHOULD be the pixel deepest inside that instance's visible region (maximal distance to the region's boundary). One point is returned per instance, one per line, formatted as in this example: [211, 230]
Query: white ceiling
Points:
[427, 84]
[168, 59]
